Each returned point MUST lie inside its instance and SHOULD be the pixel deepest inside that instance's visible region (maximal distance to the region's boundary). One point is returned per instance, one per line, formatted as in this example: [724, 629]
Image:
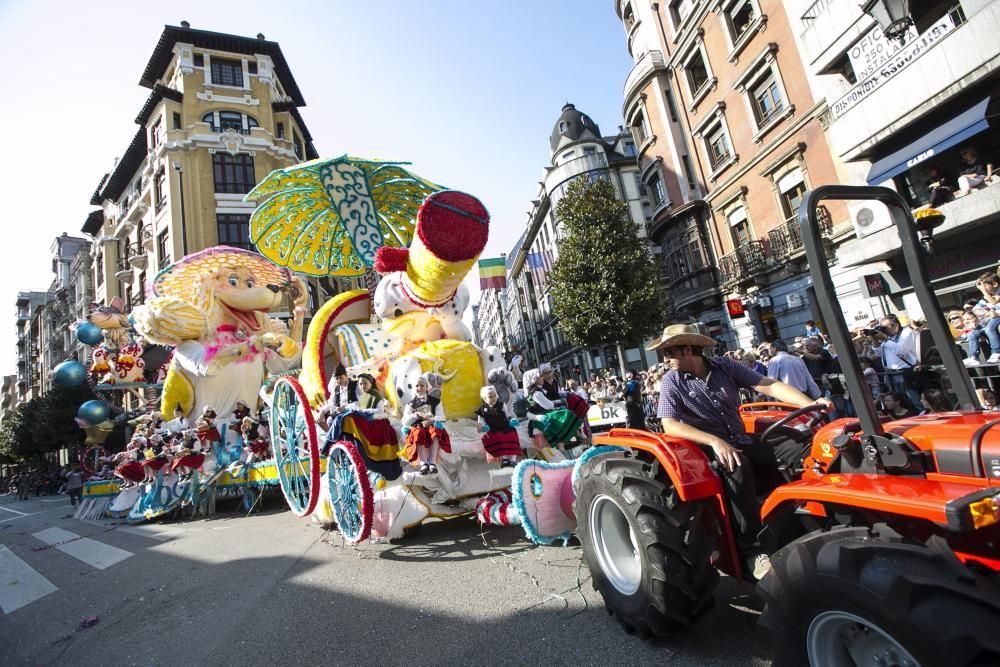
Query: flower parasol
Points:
[328, 217]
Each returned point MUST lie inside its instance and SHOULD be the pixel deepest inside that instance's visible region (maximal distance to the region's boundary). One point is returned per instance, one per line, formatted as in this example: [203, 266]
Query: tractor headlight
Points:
[976, 510]
[985, 512]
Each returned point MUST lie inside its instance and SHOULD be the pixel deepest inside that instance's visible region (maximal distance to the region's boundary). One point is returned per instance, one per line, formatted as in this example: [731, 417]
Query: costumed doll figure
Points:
[549, 423]
[255, 447]
[425, 434]
[235, 423]
[127, 463]
[179, 423]
[155, 457]
[498, 428]
[186, 457]
[370, 399]
[205, 429]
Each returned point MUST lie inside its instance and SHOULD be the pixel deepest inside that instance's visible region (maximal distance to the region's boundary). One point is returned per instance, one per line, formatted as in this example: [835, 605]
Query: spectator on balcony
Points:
[973, 173]
[813, 331]
[791, 370]
[934, 401]
[939, 185]
[955, 324]
[988, 400]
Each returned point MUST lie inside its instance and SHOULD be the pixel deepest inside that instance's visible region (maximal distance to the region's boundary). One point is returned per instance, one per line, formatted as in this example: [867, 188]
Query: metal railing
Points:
[743, 263]
[814, 10]
[785, 240]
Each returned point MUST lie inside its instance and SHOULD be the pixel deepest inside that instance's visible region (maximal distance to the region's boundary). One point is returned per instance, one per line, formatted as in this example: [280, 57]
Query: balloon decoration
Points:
[69, 374]
[93, 412]
[89, 333]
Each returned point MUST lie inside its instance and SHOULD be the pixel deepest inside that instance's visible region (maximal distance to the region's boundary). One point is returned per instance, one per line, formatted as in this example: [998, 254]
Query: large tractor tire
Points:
[857, 597]
[648, 552]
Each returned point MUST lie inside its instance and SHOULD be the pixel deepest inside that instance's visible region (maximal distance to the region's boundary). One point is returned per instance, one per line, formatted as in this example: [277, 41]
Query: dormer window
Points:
[563, 126]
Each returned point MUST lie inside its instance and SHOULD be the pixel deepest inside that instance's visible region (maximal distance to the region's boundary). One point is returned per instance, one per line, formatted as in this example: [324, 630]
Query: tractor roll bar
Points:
[913, 256]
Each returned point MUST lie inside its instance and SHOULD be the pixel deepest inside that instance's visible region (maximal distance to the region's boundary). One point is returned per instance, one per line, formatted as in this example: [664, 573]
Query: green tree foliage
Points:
[44, 424]
[604, 283]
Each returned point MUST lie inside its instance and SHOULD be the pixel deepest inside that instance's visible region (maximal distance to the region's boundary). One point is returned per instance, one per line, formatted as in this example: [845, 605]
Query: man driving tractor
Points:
[699, 401]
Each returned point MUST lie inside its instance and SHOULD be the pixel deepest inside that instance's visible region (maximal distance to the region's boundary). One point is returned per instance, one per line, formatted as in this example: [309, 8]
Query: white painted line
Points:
[91, 552]
[19, 583]
[15, 518]
[57, 500]
[13, 511]
[152, 532]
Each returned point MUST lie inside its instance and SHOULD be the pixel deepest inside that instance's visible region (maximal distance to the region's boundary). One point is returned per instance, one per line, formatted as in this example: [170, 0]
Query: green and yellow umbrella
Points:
[328, 217]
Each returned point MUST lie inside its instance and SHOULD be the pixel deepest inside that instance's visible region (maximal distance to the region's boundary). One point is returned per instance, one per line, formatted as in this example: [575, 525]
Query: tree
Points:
[44, 424]
[604, 284]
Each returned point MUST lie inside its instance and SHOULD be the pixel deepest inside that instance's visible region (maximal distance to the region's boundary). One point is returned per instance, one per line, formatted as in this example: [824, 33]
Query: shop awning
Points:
[941, 138]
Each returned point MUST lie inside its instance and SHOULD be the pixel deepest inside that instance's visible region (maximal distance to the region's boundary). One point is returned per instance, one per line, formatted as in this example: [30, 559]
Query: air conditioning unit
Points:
[869, 217]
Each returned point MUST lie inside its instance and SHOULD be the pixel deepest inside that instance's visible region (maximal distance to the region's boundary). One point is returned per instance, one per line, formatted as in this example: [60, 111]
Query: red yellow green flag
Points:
[492, 274]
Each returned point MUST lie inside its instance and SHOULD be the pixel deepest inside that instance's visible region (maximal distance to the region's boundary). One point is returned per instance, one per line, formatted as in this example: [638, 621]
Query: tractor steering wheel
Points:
[818, 408]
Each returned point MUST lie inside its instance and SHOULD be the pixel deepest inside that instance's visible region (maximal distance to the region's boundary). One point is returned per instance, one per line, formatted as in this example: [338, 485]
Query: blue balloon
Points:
[89, 333]
[69, 374]
[93, 412]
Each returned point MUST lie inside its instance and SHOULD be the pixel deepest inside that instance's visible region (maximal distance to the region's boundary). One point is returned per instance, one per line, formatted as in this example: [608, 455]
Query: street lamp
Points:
[892, 16]
[180, 182]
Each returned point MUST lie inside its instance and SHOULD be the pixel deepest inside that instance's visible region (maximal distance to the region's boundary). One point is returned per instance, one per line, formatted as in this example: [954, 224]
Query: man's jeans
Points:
[895, 382]
[75, 496]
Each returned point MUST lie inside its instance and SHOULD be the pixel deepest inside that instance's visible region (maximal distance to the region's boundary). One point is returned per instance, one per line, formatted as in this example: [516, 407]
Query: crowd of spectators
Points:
[47, 481]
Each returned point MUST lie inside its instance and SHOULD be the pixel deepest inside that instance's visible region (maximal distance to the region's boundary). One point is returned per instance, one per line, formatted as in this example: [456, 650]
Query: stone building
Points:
[222, 113]
[728, 137]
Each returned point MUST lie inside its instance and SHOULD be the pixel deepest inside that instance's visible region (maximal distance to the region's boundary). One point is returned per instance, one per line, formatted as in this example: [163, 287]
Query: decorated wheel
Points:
[90, 457]
[350, 491]
[296, 448]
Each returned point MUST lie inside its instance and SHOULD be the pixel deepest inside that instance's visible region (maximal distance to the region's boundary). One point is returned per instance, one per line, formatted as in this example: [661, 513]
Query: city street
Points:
[274, 589]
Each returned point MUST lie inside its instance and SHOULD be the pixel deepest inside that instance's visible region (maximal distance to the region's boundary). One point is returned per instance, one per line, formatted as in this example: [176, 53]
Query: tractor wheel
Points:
[856, 597]
[648, 552]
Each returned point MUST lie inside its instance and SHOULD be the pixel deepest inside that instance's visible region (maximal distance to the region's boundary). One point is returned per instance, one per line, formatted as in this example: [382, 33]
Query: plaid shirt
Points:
[710, 405]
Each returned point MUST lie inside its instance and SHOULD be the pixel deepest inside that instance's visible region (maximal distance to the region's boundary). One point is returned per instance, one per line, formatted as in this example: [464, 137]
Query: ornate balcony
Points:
[786, 240]
[744, 263]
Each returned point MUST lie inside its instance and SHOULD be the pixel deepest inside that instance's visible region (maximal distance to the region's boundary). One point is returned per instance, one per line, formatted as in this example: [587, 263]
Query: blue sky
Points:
[467, 91]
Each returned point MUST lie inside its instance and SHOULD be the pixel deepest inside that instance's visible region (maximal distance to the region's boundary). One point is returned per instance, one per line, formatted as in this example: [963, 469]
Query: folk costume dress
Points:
[366, 424]
[416, 412]
[558, 425]
[501, 440]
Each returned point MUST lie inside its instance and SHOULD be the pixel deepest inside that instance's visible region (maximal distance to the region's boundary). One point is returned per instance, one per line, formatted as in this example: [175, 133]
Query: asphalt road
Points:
[274, 589]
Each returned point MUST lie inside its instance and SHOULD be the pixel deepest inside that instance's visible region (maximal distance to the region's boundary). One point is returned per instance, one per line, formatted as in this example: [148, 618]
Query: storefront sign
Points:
[892, 65]
[875, 285]
[873, 50]
[735, 308]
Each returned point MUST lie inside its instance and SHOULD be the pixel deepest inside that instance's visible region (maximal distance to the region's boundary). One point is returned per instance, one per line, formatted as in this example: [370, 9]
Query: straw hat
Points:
[180, 279]
[680, 335]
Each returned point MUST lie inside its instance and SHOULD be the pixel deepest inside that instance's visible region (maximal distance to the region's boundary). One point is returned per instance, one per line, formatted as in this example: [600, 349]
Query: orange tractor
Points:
[884, 543]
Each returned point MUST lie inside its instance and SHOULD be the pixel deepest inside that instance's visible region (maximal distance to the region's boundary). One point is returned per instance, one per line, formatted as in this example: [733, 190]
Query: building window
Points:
[717, 145]
[162, 251]
[589, 150]
[230, 120]
[297, 145]
[159, 190]
[563, 126]
[156, 133]
[99, 266]
[766, 98]
[740, 227]
[671, 108]
[791, 188]
[177, 121]
[629, 147]
[738, 18]
[227, 72]
[680, 10]
[234, 230]
[220, 121]
[281, 130]
[696, 71]
[640, 128]
[688, 171]
[233, 173]
[252, 67]
[657, 193]
[199, 60]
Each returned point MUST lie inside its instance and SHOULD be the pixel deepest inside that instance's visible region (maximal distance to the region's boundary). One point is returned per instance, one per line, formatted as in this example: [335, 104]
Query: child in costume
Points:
[551, 425]
[186, 458]
[425, 433]
[498, 428]
[370, 399]
[205, 429]
[178, 423]
[255, 446]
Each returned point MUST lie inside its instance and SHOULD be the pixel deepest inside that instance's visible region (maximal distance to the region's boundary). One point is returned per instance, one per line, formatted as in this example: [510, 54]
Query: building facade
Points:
[728, 137]
[29, 344]
[222, 113]
[898, 110]
[577, 150]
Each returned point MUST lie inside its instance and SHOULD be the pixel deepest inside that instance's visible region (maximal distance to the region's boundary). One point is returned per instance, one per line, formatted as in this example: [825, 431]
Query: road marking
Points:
[91, 552]
[13, 511]
[19, 583]
[58, 500]
[15, 518]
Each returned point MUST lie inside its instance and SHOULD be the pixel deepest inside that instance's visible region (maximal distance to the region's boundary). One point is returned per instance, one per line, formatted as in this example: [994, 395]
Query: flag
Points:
[492, 274]
[539, 263]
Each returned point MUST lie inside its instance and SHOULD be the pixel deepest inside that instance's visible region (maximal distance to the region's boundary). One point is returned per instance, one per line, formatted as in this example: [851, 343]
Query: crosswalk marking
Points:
[19, 583]
[90, 551]
[7, 509]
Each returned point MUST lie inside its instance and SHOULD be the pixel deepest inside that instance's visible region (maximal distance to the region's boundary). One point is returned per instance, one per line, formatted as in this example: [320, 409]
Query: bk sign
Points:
[735, 308]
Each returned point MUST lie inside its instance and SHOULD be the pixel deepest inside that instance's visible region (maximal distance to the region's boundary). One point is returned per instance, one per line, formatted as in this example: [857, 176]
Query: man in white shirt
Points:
[791, 370]
[897, 346]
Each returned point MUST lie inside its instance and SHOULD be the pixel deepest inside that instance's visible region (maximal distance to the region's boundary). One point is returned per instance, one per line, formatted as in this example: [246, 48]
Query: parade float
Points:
[395, 416]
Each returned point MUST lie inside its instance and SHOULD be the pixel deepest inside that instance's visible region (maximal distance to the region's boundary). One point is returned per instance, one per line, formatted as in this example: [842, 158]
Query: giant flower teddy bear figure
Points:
[213, 306]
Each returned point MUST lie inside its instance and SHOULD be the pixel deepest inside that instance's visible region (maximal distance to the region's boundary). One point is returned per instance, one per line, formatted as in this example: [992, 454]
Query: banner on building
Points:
[539, 264]
[736, 308]
[492, 274]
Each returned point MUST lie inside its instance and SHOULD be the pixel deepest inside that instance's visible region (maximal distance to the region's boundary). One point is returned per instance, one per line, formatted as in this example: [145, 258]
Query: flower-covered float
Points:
[412, 420]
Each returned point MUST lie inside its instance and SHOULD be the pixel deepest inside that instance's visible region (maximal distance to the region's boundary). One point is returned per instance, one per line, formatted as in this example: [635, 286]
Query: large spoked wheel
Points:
[296, 447]
[850, 597]
[350, 492]
[648, 552]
